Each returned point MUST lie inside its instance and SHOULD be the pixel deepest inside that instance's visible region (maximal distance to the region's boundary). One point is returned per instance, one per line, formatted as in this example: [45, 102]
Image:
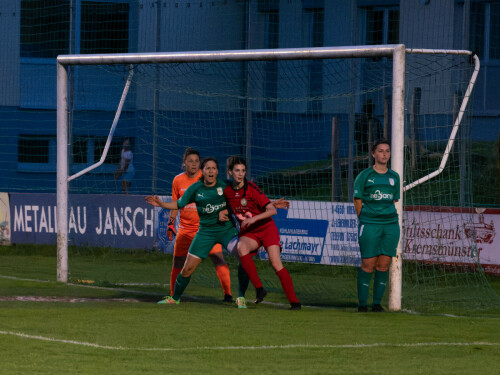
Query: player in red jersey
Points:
[254, 212]
[189, 223]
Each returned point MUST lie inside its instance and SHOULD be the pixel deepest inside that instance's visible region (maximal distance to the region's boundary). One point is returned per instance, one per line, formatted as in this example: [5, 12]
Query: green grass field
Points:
[110, 328]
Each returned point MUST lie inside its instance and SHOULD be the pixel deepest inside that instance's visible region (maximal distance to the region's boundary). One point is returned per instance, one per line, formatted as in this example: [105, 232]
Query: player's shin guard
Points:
[225, 280]
[180, 285]
[249, 266]
[287, 285]
[243, 281]
[379, 285]
[364, 279]
[173, 277]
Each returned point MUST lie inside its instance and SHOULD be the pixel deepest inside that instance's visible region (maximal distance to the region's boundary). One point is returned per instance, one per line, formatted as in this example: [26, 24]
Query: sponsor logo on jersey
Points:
[372, 181]
[378, 195]
[200, 195]
[209, 208]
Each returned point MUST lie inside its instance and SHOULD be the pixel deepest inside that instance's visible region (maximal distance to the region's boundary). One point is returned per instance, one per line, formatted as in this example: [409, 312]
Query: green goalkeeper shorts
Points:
[203, 242]
[378, 239]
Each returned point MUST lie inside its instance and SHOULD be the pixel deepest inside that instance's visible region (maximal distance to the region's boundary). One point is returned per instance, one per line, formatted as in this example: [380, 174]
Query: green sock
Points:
[364, 279]
[243, 281]
[379, 285]
[180, 285]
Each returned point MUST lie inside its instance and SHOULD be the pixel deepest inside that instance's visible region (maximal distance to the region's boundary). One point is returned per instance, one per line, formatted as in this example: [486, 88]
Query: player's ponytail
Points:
[234, 160]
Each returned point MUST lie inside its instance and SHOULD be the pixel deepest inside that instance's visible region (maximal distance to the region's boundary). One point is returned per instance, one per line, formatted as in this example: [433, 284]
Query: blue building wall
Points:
[28, 89]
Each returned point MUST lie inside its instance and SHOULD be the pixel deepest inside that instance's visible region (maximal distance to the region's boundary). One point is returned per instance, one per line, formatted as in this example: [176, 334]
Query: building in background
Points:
[34, 32]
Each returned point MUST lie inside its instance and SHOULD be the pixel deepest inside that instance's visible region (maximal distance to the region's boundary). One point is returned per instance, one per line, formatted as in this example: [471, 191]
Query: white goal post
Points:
[396, 52]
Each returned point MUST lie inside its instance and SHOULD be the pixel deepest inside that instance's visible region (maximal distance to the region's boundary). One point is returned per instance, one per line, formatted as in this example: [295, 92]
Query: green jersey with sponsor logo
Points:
[378, 193]
[209, 201]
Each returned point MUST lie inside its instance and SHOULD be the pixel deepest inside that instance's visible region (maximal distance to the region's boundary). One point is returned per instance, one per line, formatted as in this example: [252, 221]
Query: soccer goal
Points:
[304, 119]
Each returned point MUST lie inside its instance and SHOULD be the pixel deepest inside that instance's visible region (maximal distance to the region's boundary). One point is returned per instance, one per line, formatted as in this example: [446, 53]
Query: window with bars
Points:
[88, 150]
[314, 22]
[46, 26]
[381, 25]
[485, 30]
[271, 67]
[34, 148]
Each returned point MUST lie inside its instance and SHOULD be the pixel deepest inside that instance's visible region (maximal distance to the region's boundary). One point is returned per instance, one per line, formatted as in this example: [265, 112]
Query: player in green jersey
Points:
[208, 195]
[375, 191]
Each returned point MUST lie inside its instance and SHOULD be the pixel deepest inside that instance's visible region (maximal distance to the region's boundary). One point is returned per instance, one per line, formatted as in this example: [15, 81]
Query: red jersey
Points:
[246, 202]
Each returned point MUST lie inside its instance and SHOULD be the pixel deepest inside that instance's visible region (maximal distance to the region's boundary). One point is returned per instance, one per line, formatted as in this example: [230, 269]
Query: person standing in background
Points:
[126, 169]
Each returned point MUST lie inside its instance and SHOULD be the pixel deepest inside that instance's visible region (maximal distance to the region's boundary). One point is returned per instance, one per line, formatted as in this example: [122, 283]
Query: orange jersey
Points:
[189, 218]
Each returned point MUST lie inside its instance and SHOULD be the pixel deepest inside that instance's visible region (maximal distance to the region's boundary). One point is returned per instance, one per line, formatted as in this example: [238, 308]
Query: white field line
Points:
[263, 347]
[197, 298]
[114, 289]
[89, 286]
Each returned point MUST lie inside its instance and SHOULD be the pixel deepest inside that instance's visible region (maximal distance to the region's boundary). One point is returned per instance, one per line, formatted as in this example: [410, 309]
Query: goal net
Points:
[304, 120]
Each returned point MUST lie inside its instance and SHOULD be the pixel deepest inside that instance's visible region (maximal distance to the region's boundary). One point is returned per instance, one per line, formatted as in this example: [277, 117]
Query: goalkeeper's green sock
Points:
[364, 279]
[243, 281]
[379, 285]
[180, 285]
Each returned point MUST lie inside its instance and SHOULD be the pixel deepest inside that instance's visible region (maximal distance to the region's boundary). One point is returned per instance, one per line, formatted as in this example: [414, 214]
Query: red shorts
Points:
[183, 241]
[265, 235]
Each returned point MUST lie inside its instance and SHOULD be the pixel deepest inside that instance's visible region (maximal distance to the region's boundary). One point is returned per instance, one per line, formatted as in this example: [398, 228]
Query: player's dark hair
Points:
[234, 160]
[381, 141]
[205, 161]
[189, 151]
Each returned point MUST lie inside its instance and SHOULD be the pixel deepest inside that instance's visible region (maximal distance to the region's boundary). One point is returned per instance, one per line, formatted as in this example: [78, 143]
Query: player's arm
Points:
[157, 202]
[171, 231]
[359, 184]
[358, 205]
[224, 215]
[281, 203]
[269, 211]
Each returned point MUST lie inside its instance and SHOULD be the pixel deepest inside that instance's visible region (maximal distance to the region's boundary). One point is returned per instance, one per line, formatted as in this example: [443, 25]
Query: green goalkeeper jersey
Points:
[209, 202]
[378, 192]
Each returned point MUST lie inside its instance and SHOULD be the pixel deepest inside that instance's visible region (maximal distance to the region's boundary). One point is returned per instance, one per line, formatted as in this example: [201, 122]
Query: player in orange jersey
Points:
[189, 223]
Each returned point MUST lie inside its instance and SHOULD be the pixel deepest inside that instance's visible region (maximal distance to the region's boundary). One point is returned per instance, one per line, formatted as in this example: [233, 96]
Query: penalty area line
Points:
[263, 347]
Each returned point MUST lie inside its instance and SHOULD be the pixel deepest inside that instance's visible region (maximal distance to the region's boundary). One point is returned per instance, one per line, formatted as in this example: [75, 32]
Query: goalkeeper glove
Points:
[171, 232]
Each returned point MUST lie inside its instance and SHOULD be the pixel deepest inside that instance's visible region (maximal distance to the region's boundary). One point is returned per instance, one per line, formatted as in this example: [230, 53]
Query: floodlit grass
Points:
[209, 337]
[118, 329]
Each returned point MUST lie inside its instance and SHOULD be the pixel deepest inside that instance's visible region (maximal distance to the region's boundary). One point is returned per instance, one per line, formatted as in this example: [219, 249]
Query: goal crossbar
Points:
[231, 55]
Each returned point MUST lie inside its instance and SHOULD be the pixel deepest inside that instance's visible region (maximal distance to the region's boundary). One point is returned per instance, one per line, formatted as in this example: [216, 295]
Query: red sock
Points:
[249, 267]
[173, 277]
[225, 280]
[287, 285]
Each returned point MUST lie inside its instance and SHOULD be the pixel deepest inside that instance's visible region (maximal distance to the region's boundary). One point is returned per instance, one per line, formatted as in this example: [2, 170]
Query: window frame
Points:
[75, 47]
[314, 36]
[50, 166]
[486, 29]
[386, 22]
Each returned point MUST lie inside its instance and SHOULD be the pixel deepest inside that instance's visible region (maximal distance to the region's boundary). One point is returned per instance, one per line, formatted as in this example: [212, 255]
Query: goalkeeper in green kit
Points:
[376, 189]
